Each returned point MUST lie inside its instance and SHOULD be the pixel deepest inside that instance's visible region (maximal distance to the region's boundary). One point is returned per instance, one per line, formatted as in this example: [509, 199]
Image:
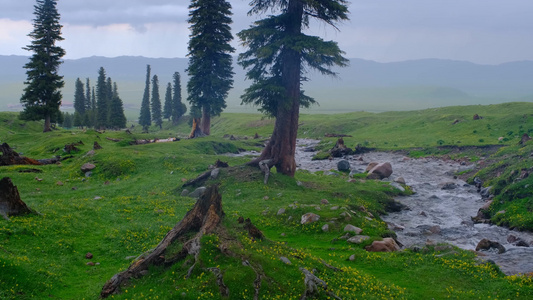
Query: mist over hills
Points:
[364, 85]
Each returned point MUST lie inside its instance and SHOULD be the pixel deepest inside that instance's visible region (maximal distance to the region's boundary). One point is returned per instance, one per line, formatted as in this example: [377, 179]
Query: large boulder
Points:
[380, 171]
[343, 166]
[387, 245]
[309, 218]
[87, 167]
[486, 245]
[351, 228]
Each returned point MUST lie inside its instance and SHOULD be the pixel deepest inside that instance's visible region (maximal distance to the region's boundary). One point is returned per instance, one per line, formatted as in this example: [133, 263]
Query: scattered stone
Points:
[97, 198]
[423, 213]
[486, 245]
[400, 180]
[387, 245]
[346, 215]
[309, 218]
[87, 167]
[380, 171]
[59, 183]
[485, 192]
[352, 257]
[325, 228]
[324, 201]
[351, 228]
[89, 255]
[334, 208]
[398, 186]
[283, 234]
[285, 260]
[281, 211]
[448, 186]
[184, 193]
[521, 243]
[501, 212]
[90, 263]
[90, 153]
[358, 239]
[265, 198]
[144, 272]
[214, 173]
[198, 192]
[88, 174]
[343, 165]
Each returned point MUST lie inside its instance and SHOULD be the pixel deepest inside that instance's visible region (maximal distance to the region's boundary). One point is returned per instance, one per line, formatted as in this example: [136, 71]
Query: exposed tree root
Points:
[202, 219]
[258, 279]
[312, 284]
[224, 290]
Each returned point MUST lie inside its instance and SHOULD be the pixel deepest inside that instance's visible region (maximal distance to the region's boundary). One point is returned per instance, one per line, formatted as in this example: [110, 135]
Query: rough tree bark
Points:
[206, 121]
[281, 148]
[196, 128]
[202, 219]
[47, 123]
[10, 202]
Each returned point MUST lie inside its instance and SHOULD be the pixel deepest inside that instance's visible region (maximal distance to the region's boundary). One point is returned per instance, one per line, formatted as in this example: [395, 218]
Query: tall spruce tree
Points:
[178, 107]
[156, 103]
[210, 63]
[145, 119]
[167, 108]
[94, 108]
[79, 98]
[102, 105]
[117, 119]
[42, 95]
[278, 55]
[88, 105]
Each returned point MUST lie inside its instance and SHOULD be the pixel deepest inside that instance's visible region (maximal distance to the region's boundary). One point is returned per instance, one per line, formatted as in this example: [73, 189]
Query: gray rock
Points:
[184, 193]
[358, 239]
[281, 211]
[352, 257]
[447, 186]
[334, 208]
[90, 153]
[343, 165]
[198, 192]
[324, 201]
[332, 174]
[325, 228]
[215, 173]
[400, 180]
[398, 186]
[485, 192]
[309, 218]
[87, 167]
[285, 260]
[380, 171]
[97, 198]
[88, 174]
[351, 228]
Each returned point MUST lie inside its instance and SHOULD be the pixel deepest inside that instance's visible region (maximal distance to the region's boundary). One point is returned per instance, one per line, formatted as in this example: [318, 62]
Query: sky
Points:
[479, 31]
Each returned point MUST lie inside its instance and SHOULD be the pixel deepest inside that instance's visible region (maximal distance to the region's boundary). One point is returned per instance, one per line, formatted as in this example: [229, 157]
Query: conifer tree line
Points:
[152, 111]
[99, 107]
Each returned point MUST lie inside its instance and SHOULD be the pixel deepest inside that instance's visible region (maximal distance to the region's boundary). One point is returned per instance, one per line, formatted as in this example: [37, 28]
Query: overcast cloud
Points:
[481, 31]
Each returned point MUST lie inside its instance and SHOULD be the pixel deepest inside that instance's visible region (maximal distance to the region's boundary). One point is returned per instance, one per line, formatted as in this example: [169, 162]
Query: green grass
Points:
[133, 199]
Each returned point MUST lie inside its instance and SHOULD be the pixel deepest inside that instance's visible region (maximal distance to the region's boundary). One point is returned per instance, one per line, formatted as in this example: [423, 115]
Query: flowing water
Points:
[434, 215]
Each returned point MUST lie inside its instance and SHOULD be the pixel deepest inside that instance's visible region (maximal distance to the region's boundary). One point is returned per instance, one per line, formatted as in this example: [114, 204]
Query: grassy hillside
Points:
[133, 199]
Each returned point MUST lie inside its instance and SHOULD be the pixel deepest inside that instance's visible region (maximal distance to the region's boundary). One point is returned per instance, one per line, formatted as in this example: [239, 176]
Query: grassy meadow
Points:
[133, 198]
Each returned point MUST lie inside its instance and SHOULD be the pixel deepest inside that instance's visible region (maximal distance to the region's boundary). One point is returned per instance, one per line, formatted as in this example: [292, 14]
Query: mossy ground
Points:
[133, 199]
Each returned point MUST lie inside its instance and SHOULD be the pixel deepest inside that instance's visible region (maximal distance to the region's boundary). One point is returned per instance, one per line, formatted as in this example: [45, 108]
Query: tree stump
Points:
[10, 202]
[11, 157]
[203, 218]
[196, 130]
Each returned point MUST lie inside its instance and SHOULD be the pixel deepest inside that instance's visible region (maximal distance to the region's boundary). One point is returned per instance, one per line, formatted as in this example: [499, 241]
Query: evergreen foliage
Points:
[278, 55]
[102, 106]
[178, 108]
[79, 98]
[88, 105]
[117, 119]
[67, 121]
[210, 63]
[145, 119]
[156, 103]
[42, 96]
[167, 108]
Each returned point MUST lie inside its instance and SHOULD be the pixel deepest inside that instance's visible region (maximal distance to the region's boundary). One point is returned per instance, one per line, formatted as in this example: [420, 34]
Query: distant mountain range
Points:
[364, 85]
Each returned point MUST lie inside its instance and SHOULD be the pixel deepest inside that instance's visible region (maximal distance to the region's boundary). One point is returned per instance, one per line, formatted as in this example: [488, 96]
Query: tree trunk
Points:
[202, 219]
[47, 125]
[206, 121]
[196, 130]
[10, 202]
[282, 145]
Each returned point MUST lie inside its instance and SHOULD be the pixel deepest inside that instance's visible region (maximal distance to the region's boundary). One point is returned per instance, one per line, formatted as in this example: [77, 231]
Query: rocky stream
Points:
[440, 210]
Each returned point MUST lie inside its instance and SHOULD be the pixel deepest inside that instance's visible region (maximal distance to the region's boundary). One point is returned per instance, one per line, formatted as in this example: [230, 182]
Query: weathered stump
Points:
[202, 219]
[11, 157]
[10, 202]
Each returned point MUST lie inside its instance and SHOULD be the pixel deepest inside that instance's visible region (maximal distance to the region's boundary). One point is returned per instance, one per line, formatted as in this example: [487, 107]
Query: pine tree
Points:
[178, 108]
[94, 108]
[156, 103]
[167, 108]
[278, 55]
[77, 119]
[210, 63]
[88, 105]
[79, 98]
[102, 105]
[145, 119]
[42, 95]
[117, 119]
[67, 120]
